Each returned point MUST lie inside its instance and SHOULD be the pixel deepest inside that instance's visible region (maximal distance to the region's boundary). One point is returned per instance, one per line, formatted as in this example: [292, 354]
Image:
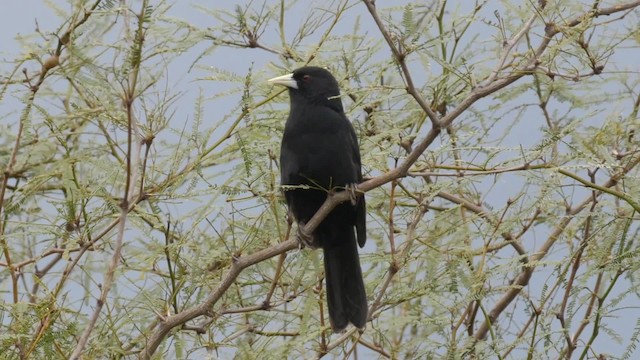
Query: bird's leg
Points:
[351, 189]
[289, 219]
[304, 238]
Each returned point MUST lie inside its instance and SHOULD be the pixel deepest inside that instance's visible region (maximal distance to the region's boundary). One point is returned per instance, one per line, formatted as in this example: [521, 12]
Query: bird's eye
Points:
[306, 78]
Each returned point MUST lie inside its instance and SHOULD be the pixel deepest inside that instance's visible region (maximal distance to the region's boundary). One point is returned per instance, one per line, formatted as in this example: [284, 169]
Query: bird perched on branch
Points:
[319, 153]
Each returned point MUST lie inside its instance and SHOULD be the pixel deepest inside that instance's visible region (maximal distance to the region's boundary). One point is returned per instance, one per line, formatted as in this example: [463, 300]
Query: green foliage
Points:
[532, 173]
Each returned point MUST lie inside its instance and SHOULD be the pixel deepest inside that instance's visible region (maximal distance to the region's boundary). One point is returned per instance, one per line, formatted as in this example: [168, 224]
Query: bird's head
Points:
[311, 84]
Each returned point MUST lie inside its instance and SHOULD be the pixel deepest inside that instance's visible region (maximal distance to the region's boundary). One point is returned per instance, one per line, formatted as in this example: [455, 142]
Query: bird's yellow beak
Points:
[284, 80]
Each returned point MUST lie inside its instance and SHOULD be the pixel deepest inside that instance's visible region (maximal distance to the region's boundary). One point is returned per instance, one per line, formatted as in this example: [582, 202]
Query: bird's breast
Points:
[318, 150]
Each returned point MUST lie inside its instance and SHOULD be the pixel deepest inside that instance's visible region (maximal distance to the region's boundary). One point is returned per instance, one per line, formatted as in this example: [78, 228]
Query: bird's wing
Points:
[361, 211]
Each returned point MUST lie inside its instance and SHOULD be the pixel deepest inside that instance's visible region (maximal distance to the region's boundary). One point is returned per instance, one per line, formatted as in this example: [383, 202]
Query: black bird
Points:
[320, 149]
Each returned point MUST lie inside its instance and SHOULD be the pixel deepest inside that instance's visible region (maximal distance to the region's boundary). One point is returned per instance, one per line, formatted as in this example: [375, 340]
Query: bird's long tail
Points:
[346, 297]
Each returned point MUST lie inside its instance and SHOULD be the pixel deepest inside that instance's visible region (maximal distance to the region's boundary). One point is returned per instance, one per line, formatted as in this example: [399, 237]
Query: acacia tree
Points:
[499, 144]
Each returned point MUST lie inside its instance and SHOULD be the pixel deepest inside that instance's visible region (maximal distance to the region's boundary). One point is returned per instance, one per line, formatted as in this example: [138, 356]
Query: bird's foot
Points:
[290, 217]
[351, 189]
[304, 238]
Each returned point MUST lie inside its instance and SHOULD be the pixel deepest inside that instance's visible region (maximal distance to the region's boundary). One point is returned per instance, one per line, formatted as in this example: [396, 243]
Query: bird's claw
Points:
[305, 239]
[351, 189]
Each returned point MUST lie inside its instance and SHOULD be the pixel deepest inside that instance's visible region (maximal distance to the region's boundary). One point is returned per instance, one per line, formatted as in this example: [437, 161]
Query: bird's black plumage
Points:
[320, 149]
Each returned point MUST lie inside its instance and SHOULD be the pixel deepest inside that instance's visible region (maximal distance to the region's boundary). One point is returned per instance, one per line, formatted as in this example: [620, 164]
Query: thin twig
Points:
[132, 162]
